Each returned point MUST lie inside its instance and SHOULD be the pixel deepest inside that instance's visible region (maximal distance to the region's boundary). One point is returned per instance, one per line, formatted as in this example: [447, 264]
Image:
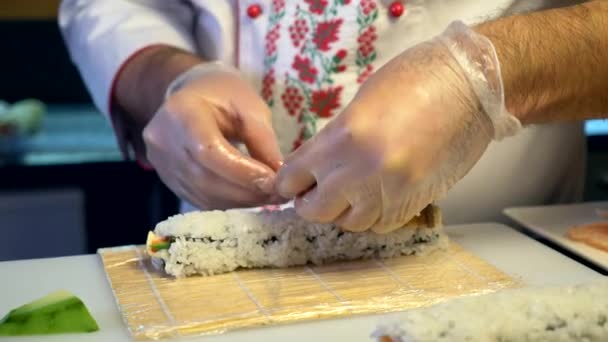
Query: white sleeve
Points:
[101, 35]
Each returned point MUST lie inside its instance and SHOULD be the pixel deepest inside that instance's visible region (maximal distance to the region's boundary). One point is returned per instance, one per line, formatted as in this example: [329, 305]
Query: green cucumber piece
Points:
[57, 313]
[160, 245]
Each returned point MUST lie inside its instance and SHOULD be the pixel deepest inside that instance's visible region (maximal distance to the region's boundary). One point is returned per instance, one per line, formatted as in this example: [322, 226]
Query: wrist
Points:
[141, 85]
[196, 72]
[477, 57]
[552, 62]
[515, 77]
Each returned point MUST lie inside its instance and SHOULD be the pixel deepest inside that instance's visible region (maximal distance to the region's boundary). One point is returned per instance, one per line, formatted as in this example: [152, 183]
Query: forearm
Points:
[141, 85]
[554, 63]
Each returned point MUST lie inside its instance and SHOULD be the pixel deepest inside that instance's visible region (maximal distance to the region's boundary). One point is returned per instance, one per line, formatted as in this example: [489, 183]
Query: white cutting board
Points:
[510, 251]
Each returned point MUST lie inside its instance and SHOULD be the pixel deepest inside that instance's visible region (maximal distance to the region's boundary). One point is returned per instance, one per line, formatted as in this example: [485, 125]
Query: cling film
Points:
[155, 305]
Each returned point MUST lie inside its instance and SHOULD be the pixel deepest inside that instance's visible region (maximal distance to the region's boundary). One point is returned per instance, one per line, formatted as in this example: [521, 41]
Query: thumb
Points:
[257, 132]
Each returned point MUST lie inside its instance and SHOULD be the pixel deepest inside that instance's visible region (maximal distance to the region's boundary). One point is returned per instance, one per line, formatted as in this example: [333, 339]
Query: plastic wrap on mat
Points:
[156, 306]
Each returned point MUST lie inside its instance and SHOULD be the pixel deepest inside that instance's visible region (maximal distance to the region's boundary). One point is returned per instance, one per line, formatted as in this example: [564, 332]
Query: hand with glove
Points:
[412, 131]
[189, 140]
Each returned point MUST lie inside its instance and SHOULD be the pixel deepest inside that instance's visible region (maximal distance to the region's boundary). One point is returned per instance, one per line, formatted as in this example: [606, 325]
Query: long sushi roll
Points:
[540, 314]
[214, 242]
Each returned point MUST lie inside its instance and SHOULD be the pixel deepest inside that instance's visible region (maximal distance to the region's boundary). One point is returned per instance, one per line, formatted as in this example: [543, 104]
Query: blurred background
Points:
[64, 188]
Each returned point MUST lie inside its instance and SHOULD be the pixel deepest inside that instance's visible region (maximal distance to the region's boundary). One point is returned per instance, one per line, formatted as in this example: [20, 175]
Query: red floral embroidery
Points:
[298, 31]
[292, 100]
[278, 5]
[366, 51]
[268, 81]
[367, 6]
[364, 73]
[326, 33]
[324, 101]
[366, 41]
[317, 6]
[309, 92]
[306, 72]
[340, 55]
[271, 40]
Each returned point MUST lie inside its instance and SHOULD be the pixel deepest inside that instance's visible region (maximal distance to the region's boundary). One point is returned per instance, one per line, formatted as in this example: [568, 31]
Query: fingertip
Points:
[384, 227]
[285, 190]
[277, 164]
[265, 184]
[293, 180]
[352, 229]
[303, 206]
[317, 206]
[267, 156]
[355, 220]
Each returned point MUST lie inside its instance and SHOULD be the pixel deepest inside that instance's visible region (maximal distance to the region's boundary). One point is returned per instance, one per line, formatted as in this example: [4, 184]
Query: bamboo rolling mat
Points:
[156, 306]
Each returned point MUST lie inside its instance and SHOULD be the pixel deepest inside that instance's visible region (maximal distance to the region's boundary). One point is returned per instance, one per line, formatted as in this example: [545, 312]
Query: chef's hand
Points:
[413, 130]
[188, 141]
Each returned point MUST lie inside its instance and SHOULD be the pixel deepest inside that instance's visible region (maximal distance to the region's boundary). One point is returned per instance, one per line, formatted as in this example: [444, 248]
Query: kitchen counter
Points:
[507, 249]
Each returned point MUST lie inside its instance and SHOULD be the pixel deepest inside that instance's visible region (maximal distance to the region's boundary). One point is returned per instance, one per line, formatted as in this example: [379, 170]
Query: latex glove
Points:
[188, 141]
[412, 131]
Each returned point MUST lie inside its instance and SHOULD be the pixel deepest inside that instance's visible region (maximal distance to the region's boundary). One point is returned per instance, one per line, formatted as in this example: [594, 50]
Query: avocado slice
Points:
[56, 313]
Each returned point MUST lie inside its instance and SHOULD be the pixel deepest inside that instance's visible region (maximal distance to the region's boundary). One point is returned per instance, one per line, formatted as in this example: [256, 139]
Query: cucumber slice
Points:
[56, 313]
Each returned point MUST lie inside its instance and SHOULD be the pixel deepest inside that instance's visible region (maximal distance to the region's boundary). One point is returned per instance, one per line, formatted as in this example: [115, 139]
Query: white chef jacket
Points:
[307, 60]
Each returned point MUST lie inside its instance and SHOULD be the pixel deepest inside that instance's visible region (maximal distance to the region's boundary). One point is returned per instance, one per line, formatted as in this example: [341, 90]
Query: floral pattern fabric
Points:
[315, 49]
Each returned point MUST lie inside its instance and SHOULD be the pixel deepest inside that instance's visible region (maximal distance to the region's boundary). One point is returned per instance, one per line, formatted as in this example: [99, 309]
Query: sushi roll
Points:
[572, 313]
[214, 242]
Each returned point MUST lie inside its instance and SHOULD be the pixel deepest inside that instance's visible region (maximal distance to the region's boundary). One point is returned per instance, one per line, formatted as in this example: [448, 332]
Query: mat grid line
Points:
[392, 274]
[157, 296]
[250, 295]
[469, 270]
[325, 285]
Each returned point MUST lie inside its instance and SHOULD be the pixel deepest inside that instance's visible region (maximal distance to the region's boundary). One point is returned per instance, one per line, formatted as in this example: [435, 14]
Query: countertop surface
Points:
[507, 249]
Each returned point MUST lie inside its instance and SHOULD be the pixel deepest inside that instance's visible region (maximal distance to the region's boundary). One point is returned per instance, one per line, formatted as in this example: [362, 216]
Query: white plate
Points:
[552, 222]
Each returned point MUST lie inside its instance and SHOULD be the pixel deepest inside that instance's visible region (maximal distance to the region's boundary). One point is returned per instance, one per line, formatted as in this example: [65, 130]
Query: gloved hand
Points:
[188, 141]
[412, 131]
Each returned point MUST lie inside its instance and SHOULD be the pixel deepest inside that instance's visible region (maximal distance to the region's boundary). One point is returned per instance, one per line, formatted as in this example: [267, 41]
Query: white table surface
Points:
[510, 251]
